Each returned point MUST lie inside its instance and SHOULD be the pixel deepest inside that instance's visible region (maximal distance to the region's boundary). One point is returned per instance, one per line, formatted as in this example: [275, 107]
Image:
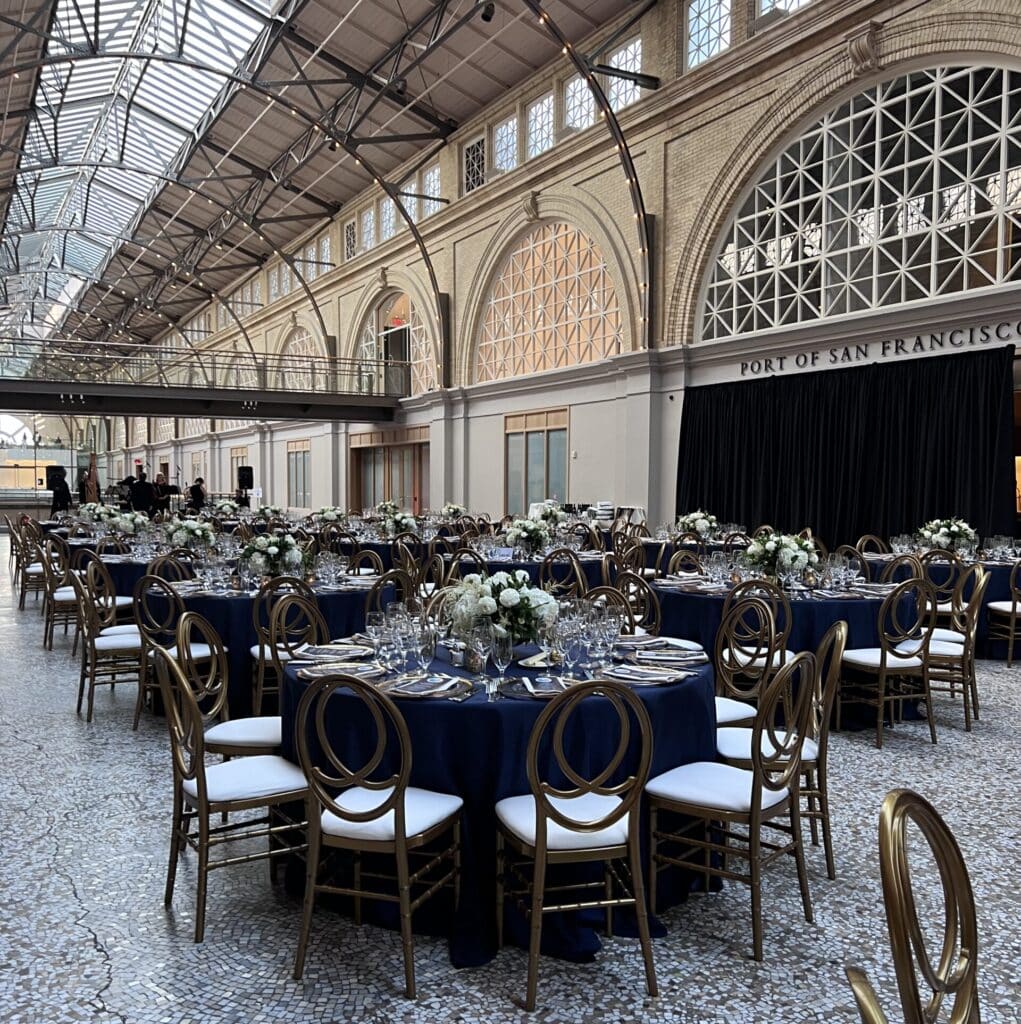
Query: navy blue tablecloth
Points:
[125, 573]
[693, 616]
[476, 750]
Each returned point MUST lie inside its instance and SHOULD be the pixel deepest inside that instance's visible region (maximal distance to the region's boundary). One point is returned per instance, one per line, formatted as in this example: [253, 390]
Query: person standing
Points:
[197, 494]
[143, 496]
[161, 494]
[61, 495]
[91, 489]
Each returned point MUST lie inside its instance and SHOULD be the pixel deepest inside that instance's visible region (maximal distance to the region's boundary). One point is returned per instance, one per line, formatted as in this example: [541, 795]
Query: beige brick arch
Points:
[991, 37]
[580, 211]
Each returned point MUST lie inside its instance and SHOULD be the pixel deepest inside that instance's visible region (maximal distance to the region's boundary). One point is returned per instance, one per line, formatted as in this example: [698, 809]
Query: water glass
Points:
[503, 655]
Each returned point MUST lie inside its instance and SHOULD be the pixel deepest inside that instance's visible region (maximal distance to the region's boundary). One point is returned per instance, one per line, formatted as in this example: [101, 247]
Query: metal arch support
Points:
[645, 282]
[75, 273]
[254, 85]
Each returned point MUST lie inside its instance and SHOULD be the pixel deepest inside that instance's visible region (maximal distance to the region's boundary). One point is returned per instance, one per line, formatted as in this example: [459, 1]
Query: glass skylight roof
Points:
[98, 123]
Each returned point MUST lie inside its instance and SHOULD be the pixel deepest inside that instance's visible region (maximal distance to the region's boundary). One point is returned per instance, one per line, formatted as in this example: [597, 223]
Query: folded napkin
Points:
[424, 686]
[672, 657]
[541, 687]
[658, 643]
[644, 675]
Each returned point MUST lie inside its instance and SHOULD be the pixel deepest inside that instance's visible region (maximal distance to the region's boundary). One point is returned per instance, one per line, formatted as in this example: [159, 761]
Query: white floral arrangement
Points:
[948, 535]
[387, 509]
[190, 533]
[453, 511]
[508, 599]
[531, 534]
[551, 514]
[272, 554]
[329, 514]
[97, 512]
[404, 522]
[267, 512]
[775, 553]
[226, 507]
[704, 524]
[130, 522]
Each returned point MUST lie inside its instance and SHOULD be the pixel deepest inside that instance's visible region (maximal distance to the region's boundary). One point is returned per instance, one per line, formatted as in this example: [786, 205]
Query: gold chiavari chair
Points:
[1003, 616]
[722, 798]
[780, 609]
[684, 560]
[60, 601]
[242, 533]
[590, 820]
[405, 560]
[942, 569]
[441, 546]
[202, 656]
[157, 609]
[897, 670]
[904, 566]
[589, 537]
[736, 542]
[181, 554]
[690, 541]
[463, 562]
[747, 627]
[294, 621]
[924, 986]
[763, 530]
[561, 574]
[735, 745]
[848, 552]
[643, 600]
[952, 651]
[32, 577]
[261, 782]
[353, 810]
[169, 568]
[870, 544]
[412, 543]
[432, 575]
[611, 597]
[365, 562]
[265, 679]
[403, 590]
[112, 546]
[612, 566]
[329, 537]
[439, 607]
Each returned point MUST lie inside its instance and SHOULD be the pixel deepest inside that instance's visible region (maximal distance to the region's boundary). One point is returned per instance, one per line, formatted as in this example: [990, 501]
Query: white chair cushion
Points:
[423, 809]
[249, 778]
[871, 657]
[517, 813]
[35, 569]
[118, 642]
[937, 648]
[710, 784]
[1000, 606]
[118, 602]
[266, 651]
[948, 636]
[743, 659]
[736, 745]
[128, 629]
[65, 594]
[729, 710]
[266, 731]
[198, 651]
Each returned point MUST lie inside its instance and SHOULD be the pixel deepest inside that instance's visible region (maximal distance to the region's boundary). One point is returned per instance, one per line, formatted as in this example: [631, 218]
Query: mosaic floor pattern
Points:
[84, 935]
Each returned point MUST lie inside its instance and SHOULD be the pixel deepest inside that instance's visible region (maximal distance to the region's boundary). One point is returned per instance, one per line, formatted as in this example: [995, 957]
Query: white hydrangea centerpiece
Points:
[404, 522]
[97, 512]
[704, 524]
[774, 553]
[387, 509]
[130, 523]
[948, 535]
[530, 534]
[194, 534]
[268, 512]
[507, 599]
[273, 554]
[329, 514]
[551, 514]
[226, 507]
[452, 510]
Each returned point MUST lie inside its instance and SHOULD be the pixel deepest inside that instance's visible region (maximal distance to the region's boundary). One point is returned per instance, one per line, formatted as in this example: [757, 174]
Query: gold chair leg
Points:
[501, 857]
[203, 878]
[608, 891]
[653, 843]
[535, 931]
[827, 832]
[635, 864]
[799, 858]
[175, 845]
[311, 873]
[457, 863]
[358, 885]
[755, 875]
[407, 941]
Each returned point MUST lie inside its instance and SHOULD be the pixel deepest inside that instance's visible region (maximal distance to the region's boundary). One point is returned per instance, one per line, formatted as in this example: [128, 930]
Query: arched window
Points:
[13, 431]
[394, 331]
[552, 304]
[905, 193]
[303, 366]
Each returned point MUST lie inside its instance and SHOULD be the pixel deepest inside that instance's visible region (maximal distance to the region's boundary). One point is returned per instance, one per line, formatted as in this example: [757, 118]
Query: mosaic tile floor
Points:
[84, 935]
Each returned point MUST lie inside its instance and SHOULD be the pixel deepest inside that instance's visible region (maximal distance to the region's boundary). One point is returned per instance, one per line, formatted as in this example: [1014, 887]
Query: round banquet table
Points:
[476, 750]
[230, 614]
[691, 615]
[998, 590]
[125, 571]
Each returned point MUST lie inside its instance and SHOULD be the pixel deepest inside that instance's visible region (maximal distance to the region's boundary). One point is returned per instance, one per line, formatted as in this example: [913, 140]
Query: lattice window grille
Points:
[274, 284]
[295, 375]
[505, 144]
[765, 6]
[539, 127]
[368, 228]
[310, 268]
[409, 199]
[256, 294]
[551, 305]
[473, 159]
[622, 92]
[579, 105]
[387, 219]
[420, 350]
[324, 255]
[708, 29]
[350, 240]
[908, 191]
[285, 278]
[165, 428]
[431, 187]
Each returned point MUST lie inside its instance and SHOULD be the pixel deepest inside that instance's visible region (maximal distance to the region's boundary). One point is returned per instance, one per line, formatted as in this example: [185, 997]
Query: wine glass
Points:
[573, 647]
[503, 655]
[374, 623]
[425, 648]
[481, 642]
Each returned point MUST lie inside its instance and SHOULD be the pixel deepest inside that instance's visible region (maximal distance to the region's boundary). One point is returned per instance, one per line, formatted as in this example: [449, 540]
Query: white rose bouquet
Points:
[775, 553]
[948, 535]
[551, 514]
[329, 514]
[226, 507]
[387, 509]
[193, 534]
[453, 511]
[272, 554]
[531, 534]
[404, 522]
[267, 512]
[508, 600]
[130, 523]
[97, 512]
[702, 523]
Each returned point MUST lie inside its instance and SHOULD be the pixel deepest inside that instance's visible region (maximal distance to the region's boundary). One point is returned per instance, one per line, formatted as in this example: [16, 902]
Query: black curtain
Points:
[873, 449]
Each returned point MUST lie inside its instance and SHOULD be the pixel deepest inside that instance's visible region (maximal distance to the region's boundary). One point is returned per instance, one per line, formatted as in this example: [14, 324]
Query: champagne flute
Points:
[481, 644]
[425, 648]
[374, 622]
[503, 655]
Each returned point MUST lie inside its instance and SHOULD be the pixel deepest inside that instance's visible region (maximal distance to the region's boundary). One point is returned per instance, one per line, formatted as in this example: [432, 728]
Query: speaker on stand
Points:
[246, 481]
